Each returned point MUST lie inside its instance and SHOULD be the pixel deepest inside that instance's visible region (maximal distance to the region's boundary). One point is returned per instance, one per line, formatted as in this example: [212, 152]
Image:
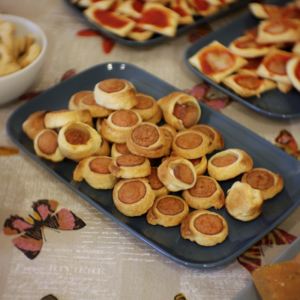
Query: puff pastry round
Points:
[115, 94]
[147, 106]
[34, 123]
[204, 227]
[228, 164]
[269, 183]
[190, 144]
[104, 149]
[169, 133]
[180, 110]
[119, 149]
[243, 202]
[119, 124]
[157, 186]
[95, 171]
[167, 211]
[157, 117]
[200, 164]
[146, 139]
[130, 166]
[46, 145]
[177, 173]
[74, 100]
[293, 71]
[206, 193]
[77, 141]
[133, 197]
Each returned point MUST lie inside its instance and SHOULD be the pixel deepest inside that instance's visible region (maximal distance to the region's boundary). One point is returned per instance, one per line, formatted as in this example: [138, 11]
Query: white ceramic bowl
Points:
[14, 85]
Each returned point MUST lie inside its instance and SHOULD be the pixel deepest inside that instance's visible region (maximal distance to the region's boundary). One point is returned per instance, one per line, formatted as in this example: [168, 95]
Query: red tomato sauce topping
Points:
[297, 71]
[201, 5]
[155, 17]
[277, 63]
[249, 43]
[248, 81]
[138, 6]
[109, 19]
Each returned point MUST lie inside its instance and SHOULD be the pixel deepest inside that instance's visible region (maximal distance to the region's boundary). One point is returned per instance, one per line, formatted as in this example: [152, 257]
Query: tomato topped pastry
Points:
[131, 8]
[203, 7]
[251, 66]
[216, 61]
[293, 71]
[185, 14]
[247, 85]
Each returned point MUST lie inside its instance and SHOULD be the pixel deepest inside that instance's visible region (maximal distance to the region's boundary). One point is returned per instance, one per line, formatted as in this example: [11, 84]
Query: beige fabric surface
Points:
[103, 260]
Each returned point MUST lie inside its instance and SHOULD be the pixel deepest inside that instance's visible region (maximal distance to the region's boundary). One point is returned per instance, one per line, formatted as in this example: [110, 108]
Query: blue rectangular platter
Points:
[158, 38]
[168, 241]
[273, 103]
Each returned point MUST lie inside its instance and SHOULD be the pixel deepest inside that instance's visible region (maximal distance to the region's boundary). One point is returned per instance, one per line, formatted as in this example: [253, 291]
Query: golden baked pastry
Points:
[293, 72]
[157, 186]
[190, 144]
[243, 202]
[200, 164]
[104, 149]
[216, 138]
[78, 140]
[119, 124]
[177, 173]
[203, 8]
[146, 139]
[169, 133]
[180, 110]
[133, 197]
[184, 11]
[95, 171]
[228, 164]
[269, 183]
[46, 145]
[206, 193]
[284, 87]
[74, 100]
[98, 123]
[35, 123]
[130, 8]
[167, 211]
[130, 166]
[115, 94]
[204, 227]
[119, 149]
[216, 61]
[59, 118]
[157, 117]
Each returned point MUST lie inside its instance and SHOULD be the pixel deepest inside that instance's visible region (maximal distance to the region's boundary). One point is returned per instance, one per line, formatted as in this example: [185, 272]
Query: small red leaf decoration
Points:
[7, 150]
[88, 32]
[68, 74]
[29, 96]
[108, 45]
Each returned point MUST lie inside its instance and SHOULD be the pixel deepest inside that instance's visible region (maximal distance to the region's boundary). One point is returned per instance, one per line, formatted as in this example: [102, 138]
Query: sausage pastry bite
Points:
[157, 186]
[119, 124]
[177, 173]
[247, 85]
[167, 211]
[157, 117]
[216, 138]
[146, 139]
[133, 197]
[119, 149]
[78, 140]
[206, 193]
[34, 123]
[200, 164]
[110, 21]
[273, 66]
[204, 227]
[104, 149]
[165, 21]
[203, 8]
[95, 171]
[46, 145]
[190, 144]
[74, 100]
[130, 166]
[59, 118]
[267, 182]
[185, 14]
[180, 110]
[115, 94]
[169, 133]
[97, 111]
[293, 72]
[243, 202]
[216, 61]
[228, 164]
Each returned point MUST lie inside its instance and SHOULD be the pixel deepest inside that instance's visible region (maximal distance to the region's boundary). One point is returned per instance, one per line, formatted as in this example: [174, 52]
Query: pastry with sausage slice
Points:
[75, 98]
[119, 149]
[157, 186]
[169, 132]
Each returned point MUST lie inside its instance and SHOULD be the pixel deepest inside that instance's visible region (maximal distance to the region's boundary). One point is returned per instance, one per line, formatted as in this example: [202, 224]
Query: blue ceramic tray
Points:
[273, 103]
[158, 38]
[168, 240]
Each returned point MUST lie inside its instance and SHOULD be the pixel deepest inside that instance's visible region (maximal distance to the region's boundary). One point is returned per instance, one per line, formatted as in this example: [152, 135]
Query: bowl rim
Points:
[13, 18]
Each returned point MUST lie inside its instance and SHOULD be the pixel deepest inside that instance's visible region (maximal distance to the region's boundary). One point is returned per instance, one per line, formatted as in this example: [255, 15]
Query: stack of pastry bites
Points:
[139, 20]
[266, 57]
[115, 135]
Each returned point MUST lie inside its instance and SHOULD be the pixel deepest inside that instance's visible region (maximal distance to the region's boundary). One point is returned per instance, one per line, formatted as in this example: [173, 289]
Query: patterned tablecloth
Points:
[101, 260]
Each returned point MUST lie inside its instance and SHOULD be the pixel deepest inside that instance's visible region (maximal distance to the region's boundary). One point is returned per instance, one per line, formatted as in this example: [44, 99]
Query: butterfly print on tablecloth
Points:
[30, 240]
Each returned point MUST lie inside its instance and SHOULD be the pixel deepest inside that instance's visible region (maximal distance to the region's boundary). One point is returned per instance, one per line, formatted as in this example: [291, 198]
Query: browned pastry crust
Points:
[228, 164]
[243, 202]
[157, 186]
[77, 141]
[74, 100]
[157, 117]
[269, 183]
[130, 166]
[104, 149]
[46, 145]
[146, 139]
[133, 197]
[169, 133]
[34, 123]
[200, 164]
[292, 69]
[180, 110]
[204, 227]
[95, 171]
[206, 193]
[115, 94]
[167, 211]
[184, 11]
[119, 149]
[203, 8]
